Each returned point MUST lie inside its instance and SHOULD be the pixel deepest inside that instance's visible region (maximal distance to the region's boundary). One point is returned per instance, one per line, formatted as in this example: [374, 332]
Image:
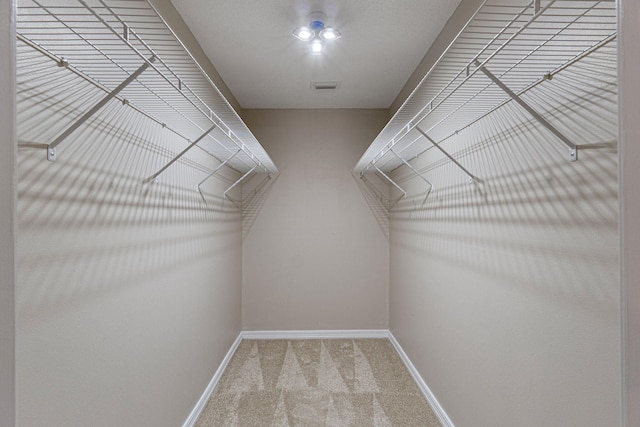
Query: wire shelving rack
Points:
[504, 51]
[128, 51]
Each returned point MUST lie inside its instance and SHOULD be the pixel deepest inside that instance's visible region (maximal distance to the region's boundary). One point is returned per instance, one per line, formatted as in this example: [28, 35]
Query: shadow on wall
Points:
[535, 220]
[255, 193]
[376, 194]
[88, 224]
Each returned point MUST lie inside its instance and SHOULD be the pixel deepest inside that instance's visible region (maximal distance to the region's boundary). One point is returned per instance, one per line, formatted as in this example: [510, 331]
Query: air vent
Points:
[325, 86]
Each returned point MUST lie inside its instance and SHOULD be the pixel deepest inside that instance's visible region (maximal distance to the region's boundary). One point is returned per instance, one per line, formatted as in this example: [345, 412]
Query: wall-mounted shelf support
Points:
[258, 188]
[51, 149]
[238, 181]
[416, 171]
[573, 149]
[404, 193]
[471, 176]
[376, 193]
[182, 153]
[220, 166]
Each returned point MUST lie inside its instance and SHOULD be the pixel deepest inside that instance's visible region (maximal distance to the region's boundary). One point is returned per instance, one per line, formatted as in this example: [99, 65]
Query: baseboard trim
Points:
[195, 413]
[428, 394]
[315, 334]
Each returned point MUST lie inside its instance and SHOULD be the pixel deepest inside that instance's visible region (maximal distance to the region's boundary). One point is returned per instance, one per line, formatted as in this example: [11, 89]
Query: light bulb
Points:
[330, 33]
[303, 33]
[316, 47]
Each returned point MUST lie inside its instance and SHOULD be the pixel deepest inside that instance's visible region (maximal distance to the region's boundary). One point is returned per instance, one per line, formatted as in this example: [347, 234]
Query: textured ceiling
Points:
[250, 44]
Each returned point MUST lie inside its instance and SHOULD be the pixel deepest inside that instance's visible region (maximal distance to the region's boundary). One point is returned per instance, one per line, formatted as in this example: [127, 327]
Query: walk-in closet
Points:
[319, 212]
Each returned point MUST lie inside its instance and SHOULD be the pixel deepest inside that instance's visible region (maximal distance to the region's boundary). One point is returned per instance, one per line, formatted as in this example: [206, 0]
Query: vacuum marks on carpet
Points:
[310, 383]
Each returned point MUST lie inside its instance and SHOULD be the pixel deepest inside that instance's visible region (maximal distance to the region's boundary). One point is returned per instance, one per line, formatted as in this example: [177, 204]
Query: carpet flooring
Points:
[308, 383]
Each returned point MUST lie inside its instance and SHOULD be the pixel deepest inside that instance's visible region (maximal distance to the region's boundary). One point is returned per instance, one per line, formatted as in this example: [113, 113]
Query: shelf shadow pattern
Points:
[535, 219]
[90, 224]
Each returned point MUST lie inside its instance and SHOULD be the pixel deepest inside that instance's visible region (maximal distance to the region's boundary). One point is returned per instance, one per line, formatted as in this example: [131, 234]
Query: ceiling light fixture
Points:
[316, 32]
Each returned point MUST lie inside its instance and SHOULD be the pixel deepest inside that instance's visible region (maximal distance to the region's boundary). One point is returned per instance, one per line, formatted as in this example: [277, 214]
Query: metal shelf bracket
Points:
[182, 153]
[404, 193]
[471, 176]
[416, 171]
[220, 166]
[238, 181]
[51, 149]
[573, 149]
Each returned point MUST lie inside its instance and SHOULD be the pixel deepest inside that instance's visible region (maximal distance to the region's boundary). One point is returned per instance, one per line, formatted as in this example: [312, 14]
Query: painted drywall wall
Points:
[505, 293]
[7, 213]
[315, 257]
[629, 30]
[128, 291]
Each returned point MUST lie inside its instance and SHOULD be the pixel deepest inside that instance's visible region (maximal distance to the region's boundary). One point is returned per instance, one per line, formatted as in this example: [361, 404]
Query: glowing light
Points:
[330, 33]
[316, 47]
[303, 33]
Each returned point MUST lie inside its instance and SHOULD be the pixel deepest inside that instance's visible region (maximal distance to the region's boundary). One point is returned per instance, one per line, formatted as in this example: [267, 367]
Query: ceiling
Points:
[250, 44]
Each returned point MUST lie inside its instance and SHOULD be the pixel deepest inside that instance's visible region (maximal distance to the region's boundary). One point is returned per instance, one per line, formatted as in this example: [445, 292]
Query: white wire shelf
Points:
[505, 50]
[125, 48]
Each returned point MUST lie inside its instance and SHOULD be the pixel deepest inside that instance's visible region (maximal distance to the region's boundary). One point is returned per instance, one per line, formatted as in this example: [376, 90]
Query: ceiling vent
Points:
[325, 86]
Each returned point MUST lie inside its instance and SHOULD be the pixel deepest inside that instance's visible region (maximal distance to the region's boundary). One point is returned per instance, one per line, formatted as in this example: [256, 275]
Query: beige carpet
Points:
[312, 383]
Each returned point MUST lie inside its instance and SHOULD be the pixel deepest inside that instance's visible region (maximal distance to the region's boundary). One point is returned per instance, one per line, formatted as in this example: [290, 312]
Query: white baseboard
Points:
[433, 402]
[329, 334]
[195, 413]
[311, 335]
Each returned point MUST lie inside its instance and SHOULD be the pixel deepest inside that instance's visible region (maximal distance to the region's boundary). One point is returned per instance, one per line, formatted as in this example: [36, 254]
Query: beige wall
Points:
[505, 294]
[7, 213]
[128, 294]
[630, 203]
[315, 258]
